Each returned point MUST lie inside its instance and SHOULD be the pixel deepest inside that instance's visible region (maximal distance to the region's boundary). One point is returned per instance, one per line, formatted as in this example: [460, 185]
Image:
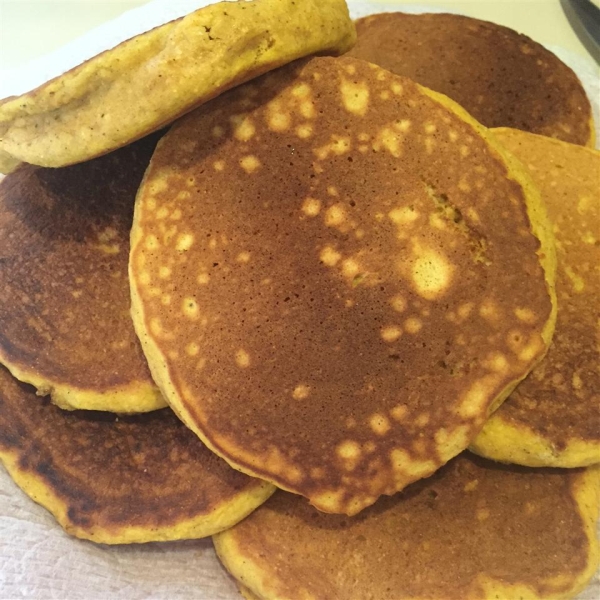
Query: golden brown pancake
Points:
[474, 530]
[245, 592]
[553, 417]
[150, 80]
[119, 480]
[65, 325]
[330, 312]
[503, 78]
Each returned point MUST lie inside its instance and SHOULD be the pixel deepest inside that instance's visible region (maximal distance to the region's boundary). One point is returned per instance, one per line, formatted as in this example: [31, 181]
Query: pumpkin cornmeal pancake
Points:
[119, 480]
[150, 80]
[65, 325]
[553, 417]
[475, 529]
[511, 81]
[319, 313]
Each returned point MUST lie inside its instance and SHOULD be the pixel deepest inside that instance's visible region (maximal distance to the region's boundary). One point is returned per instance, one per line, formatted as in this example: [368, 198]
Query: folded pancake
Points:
[553, 417]
[150, 80]
[503, 78]
[65, 325]
[329, 310]
[475, 530]
[119, 480]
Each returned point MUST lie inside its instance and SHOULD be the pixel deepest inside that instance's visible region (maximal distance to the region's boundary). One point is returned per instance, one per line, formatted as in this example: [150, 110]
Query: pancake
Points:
[474, 530]
[553, 417]
[148, 81]
[119, 480]
[65, 325]
[7, 163]
[246, 593]
[503, 78]
[319, 314]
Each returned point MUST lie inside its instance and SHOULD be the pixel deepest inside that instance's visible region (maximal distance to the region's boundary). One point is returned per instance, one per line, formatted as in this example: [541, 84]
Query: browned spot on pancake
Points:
[360, 320]
[560, 399]
[512, 82]
[472, 519]
[111, 471]
[64, 293]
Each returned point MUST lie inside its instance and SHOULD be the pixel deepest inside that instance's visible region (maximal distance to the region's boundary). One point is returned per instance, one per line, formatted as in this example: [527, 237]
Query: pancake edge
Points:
[539, 226]
[248, 576]
[40, 113]
[245, 592]
[516, 443]
[591, 143]
[585, 492]
[220, 518]
[135, 397]
[512, 442]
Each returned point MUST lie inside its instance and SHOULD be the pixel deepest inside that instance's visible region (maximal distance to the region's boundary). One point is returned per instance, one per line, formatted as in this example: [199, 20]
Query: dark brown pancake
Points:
[474, 530]
[329, 311]
[65, 325]
[121, 479]
[503, 78]
[553, 417]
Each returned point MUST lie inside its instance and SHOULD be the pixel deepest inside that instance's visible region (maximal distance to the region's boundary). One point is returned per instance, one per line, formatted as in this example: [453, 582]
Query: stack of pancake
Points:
[331, 277]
